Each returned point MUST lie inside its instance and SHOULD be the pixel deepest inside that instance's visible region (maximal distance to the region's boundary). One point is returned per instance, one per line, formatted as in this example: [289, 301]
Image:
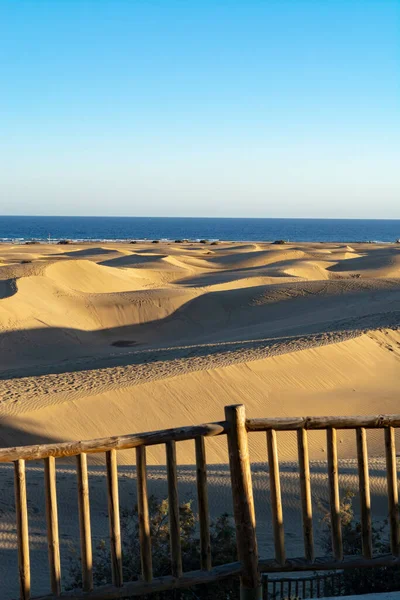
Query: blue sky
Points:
[216, 108]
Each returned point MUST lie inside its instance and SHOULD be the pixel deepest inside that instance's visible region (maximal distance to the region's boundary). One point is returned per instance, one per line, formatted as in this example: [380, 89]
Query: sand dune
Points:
[81, 303]
[151, 262]
[97, 340]
[382, 263]
[343, 378]
[136, 260]
[74, 311]
[90, 251]
[339, 256]
[89, 277]
[48, 321]
[270, 310]
[244, 260]
[305, 269]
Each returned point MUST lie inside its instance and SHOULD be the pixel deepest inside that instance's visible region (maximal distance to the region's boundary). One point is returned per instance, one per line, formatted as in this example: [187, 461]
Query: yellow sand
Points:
[85, 326]
[99, 340]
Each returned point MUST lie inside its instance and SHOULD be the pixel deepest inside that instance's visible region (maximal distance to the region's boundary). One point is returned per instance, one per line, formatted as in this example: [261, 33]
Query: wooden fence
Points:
[236, 427]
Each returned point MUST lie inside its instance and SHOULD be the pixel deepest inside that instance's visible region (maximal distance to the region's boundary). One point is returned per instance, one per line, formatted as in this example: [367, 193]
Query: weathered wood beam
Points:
[243, 503]
[143, 514]
[202, 498]
[53, 542]
[123, 442]
[334, 498]
[293, 423]
[21, 510]
[84, 522]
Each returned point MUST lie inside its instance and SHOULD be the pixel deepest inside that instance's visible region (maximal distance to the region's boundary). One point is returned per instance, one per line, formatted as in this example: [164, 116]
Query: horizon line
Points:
[202, 217]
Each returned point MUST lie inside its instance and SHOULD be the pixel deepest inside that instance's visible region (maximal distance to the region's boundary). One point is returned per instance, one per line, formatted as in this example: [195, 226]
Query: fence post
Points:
[243, 505]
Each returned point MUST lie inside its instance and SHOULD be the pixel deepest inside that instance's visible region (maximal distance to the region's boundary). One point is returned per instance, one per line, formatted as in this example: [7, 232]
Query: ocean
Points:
[20, 229]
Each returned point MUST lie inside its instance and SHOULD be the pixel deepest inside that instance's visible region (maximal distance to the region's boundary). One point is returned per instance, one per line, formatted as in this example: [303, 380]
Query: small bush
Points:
[178, 241]
[214, 243]
[223, 547]
[31, 242]
[155, 242]
[279, 242]
[203, 242]
[360, 580]
[64, 242]
[133, 242]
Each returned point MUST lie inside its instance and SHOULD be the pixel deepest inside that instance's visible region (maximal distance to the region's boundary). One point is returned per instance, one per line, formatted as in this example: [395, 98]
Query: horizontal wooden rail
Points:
[327, 563]
[179, 434]
[294, 423]
[158, 584]
[124, 442]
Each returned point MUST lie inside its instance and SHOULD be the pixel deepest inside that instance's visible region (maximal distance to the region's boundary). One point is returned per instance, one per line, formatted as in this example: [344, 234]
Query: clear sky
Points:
[268, 108]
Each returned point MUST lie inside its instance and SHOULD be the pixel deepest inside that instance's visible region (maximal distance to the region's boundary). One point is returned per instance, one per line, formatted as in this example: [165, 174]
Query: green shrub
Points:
[223, 548]
[360, 580]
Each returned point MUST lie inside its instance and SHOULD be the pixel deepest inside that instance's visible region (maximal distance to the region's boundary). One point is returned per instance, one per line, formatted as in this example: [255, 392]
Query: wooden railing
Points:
[236, 427]
[317, 586]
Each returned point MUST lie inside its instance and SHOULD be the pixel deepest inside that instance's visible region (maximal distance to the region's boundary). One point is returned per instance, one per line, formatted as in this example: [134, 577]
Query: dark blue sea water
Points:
[163, 228]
